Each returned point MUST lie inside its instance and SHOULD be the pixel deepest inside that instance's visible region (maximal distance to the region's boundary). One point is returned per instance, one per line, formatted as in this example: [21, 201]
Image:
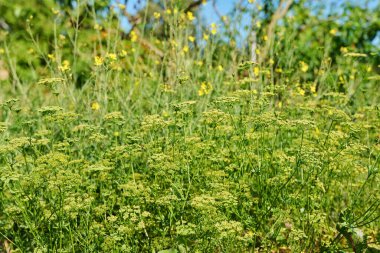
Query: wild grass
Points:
[184, 144]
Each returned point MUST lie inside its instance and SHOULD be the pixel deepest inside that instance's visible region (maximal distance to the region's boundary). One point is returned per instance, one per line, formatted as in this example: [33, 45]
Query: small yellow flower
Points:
[116, 133]
[121, 6]
[220, 68]
[98, 60]
[169, 11]
[55, 11]
[224, 18]
[2, 51]
[190, 16]
[303, 66]
[199, 63]
[313, 88]
[95, 106]
[112, 56]
[251, 1]
[205, 89]
[258, 24]
[301, 91]
[333, 32]
[185, 49]
[204, 2]
[133, 36]
[213, 29]
[157, 15]
[343, 50]
[51, 57]
[191, 38]
[206, 36]
[256, 71]
[97, 27]
[123, 53]
[65, 66]
[265, 37]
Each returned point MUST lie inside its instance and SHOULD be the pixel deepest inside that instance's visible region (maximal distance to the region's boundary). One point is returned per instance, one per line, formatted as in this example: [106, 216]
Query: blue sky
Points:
[209, 15]
[225, 6]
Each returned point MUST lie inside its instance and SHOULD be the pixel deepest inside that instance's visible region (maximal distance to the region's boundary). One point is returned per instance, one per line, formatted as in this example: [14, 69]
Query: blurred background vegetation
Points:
[285, 38]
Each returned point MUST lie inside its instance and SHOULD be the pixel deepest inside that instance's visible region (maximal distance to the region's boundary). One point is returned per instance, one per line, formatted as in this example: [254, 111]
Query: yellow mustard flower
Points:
[304, 66]
[65, 66]
[55, 11]
[98, 60]
[205, 89]
[313, 88]
[190, 16]
[95, 106]
[97, 27]
[123, 53]
[258, 24]
[213, 29]
[333, 32]
[301, 91]
[112, 56]
[133, 36]
[51, 57]
[256, 71]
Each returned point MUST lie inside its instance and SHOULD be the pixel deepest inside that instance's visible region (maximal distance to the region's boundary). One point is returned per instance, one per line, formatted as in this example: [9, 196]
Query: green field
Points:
[180, 135]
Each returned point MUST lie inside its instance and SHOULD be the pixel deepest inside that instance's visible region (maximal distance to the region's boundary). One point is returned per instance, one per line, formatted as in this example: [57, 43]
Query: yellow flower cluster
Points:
[133, 36]
[213, 29]
[65, 66]
[95, 106]
[98, 61]
[304, 66]
[205, 89]
[190, 16]
[156, 15]
[112, 56]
